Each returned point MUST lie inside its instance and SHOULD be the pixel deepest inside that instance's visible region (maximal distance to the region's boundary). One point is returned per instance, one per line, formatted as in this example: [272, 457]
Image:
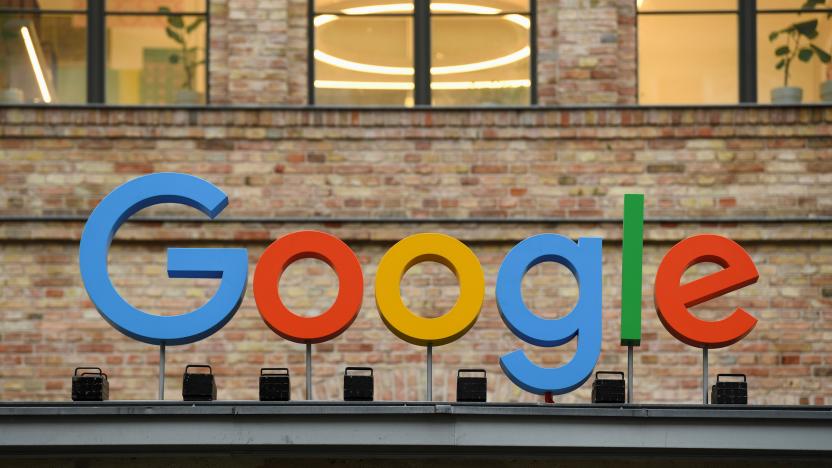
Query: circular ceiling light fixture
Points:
[335, 61]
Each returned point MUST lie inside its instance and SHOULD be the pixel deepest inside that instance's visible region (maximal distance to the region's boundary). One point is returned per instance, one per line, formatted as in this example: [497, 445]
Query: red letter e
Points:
[673, 299]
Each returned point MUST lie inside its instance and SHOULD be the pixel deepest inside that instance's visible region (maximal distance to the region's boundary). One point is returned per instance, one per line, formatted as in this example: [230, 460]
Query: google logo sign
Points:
[583, 258]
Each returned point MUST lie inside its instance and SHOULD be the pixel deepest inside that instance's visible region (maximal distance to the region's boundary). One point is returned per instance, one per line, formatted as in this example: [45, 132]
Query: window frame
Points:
[96, 14]
[747, 14]
[421, 53]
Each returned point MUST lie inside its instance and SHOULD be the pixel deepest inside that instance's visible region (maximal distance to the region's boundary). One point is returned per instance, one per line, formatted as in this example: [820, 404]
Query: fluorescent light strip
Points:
[379, 9]
[33, 57]
[408, 71]
[361, 67]
[450, 85]
[441, 85]
[434, 7]
[460, 8]
[328, 84]
[520, 20]
[321, 20]
[493, 63]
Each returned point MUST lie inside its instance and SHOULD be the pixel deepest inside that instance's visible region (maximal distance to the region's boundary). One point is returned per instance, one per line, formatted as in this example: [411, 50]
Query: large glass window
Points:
[140, 51]
[481, 53]
[724, 51]
[794, 40]
[364, 54]
[688, 52]
[155, 51]
[383, 52]
[43, 51]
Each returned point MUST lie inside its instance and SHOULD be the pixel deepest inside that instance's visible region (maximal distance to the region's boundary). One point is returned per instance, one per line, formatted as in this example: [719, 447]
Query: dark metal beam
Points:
[370, 429]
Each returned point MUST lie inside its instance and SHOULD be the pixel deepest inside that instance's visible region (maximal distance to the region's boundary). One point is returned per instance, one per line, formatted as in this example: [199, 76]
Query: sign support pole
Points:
[704, 376]
[308, 371]
[162, 371]
[429, 384]
[629, 374]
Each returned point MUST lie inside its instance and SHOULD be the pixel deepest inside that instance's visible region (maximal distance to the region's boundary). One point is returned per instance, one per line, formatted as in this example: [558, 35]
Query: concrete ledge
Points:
[424, 429]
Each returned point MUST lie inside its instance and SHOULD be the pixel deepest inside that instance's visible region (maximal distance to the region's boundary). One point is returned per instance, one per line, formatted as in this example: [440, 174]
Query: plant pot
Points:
[787, 95]
[11, 96]
[826, 91]
[187, 97]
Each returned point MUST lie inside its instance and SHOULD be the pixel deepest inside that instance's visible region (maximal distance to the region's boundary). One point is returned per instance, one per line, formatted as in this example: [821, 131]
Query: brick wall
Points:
[563, 171]
[586, 52]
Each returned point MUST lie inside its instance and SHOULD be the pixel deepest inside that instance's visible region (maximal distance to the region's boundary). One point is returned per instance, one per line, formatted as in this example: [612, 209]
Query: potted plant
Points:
[187, 56]
[798, 46]
[826, 86]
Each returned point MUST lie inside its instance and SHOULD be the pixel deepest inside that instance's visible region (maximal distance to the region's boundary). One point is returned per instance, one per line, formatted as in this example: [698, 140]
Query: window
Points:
[397, 53]
[113, 51]
[43, 51]
[794, 42]
[724, 51]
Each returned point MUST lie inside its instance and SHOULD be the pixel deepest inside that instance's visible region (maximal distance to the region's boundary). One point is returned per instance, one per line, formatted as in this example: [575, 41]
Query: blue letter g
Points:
[230, 265]
[584, 322]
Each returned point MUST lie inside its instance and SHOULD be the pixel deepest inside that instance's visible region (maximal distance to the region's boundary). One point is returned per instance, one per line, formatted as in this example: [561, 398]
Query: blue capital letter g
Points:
[230, 265]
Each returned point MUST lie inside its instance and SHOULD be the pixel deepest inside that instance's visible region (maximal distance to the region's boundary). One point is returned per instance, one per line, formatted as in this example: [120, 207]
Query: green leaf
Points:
[805, 54]
[164, 9]
[780, 64]
[194, 25]
[173, 35]
[173, 59]
[773, 36]
[783, 50]
[822, 54]
[812, 4]
[176, 21]
[808, 28]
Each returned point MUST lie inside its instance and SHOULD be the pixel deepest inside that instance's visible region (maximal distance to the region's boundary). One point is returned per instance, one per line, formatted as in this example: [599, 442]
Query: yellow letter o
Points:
[424, 248]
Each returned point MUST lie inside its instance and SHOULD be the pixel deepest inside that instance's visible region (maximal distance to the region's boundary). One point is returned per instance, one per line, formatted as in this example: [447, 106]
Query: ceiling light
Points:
[450, 85]
[407, 71]
[407, 86]
[33, 58]
[520, 20]
[388, 85]
[460, 8]
[379, 9]
[476, 66]
[321, 20]
[408, 7]
[361, 67]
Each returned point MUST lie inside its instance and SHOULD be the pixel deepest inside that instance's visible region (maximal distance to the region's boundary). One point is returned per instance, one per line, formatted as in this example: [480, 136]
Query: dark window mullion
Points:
[310, 52]
[748, 51]
[421, 52]
[95, 52]
[533, 47]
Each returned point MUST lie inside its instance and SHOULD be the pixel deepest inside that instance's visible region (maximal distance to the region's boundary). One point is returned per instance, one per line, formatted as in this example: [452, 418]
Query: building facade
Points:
[547, 138]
